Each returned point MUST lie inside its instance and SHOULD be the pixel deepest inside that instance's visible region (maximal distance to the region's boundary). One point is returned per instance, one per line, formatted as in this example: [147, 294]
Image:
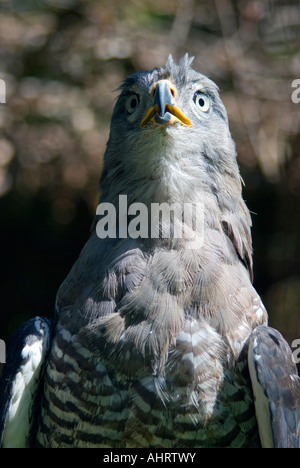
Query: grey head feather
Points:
[183, 67]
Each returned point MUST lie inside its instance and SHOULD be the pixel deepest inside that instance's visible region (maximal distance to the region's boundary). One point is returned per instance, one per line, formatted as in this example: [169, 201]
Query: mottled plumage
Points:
[151, 336]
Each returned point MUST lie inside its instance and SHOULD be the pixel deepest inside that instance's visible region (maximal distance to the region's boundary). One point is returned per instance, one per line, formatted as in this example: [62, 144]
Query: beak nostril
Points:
[172, 91]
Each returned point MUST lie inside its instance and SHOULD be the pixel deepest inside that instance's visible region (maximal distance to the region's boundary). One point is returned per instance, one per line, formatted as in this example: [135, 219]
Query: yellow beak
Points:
[164, 111]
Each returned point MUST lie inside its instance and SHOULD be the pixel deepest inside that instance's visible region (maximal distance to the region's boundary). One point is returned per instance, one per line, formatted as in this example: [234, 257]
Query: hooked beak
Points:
[164, 111]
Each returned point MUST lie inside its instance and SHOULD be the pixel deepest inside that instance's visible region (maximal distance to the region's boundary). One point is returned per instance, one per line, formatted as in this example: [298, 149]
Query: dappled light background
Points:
[61, 62]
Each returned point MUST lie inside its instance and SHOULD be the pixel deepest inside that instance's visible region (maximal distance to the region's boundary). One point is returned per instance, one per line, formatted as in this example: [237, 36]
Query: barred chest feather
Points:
[151, 354]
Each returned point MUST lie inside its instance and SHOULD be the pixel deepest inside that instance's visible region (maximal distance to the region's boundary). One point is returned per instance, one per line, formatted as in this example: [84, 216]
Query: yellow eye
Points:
[202, 101]
[132, 103]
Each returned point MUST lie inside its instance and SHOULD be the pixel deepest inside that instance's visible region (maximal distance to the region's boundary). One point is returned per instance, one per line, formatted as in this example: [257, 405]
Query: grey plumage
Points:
[151, 336]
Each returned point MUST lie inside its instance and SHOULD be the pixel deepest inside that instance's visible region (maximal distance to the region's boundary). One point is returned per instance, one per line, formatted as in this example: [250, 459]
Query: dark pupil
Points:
[133, 102]
[201, 102]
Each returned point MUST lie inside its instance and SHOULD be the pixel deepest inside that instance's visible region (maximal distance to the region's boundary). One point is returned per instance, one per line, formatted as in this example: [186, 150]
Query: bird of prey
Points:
[159, 338]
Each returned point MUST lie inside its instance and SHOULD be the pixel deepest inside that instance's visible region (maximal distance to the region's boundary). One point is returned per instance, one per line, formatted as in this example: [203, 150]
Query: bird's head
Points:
[169, 124]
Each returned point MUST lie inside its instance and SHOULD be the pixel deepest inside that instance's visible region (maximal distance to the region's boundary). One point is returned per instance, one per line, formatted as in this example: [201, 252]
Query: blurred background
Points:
[61, 61]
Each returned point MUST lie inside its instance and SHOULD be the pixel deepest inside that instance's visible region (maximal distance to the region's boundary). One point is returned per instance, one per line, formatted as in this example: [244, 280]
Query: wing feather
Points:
[20, 381]
[276, 388]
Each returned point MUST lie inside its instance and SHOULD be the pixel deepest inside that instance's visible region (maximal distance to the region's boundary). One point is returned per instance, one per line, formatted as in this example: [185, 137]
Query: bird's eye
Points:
[132, 103]
[202, 101]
